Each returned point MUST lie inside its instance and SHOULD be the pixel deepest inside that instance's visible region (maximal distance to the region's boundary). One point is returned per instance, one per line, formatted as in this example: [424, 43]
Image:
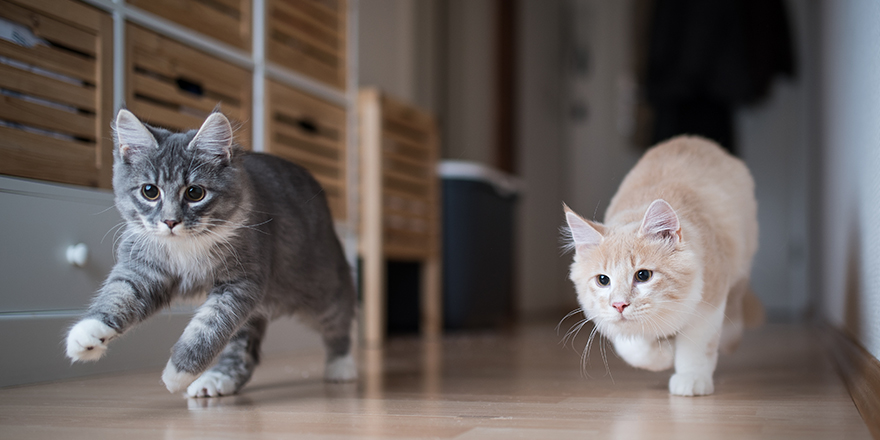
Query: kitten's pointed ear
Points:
[131, 135]
[584, 234]
[215, 137]
[661, 221]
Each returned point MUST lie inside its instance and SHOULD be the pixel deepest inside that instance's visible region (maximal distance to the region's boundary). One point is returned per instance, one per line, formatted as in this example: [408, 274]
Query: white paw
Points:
[176, 381]
[211, 384]
[87, 340]
[341, 369]
[691, 384]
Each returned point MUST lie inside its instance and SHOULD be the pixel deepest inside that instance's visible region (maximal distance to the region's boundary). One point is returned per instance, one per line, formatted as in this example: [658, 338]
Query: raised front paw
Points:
[691, 384]
[87, 340]
[176, 380]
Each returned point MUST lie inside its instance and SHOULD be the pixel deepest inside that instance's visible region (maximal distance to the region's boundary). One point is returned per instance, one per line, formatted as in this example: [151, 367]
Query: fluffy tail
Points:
[753, 311]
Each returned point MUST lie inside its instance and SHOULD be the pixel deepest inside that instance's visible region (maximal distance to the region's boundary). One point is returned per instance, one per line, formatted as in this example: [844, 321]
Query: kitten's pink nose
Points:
[171, 223]
[620, 305]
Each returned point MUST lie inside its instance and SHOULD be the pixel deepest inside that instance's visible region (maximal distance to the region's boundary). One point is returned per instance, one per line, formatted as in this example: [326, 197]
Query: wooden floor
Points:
[522, 385]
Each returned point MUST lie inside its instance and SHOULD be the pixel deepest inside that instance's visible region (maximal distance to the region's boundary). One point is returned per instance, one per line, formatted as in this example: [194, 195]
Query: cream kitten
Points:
[676, 247]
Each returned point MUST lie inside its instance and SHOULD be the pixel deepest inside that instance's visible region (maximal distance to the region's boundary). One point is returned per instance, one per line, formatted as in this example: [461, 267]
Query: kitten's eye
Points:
[194, 193]
[603, 280]
[643, 275]
[150, 192]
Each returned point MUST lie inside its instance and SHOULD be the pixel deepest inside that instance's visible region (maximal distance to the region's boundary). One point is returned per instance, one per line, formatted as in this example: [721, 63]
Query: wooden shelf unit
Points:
[400, 209]
[57, 95]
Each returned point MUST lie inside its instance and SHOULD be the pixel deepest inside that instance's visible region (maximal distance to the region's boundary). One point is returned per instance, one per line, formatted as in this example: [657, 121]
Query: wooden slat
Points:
[336, 6]
[281, 142]
[403, 179]
[316, 145]
[69, 11]
[28, 83]
[164, 117]
[389, 190]
[55, 60]
[296, 44]
[285, 57]
[315, 165]
[407, 115]
[49, 28]
[418, 136]
[301, 105]
[426, 216]
[305, 30]
[41, 157]
[242, 6]
[328, 18]
[411, 145]
[394, 155]
[203, 18]
[148, 86]
[40, 116]
[406, 187]
[324, 161]
[172, 59]
[417, 206]
[408, 168]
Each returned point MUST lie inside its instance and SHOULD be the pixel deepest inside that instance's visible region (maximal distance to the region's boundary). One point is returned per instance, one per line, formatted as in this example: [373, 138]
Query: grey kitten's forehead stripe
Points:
[260, 243]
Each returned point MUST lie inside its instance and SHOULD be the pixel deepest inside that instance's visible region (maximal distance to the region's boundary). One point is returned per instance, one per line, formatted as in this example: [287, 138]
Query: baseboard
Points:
[861, 373]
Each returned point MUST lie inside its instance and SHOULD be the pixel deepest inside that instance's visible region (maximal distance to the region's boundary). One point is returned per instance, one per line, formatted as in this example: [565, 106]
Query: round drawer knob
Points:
[78, 254]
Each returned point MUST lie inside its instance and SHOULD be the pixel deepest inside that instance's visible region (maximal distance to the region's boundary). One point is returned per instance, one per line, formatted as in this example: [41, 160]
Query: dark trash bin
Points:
[478, 245]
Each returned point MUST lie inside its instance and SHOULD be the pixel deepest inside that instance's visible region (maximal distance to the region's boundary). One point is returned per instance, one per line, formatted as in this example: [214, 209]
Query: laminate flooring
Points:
[520, 384]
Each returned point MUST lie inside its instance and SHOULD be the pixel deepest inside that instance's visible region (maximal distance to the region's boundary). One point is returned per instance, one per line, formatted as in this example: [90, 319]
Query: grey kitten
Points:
[251, 231]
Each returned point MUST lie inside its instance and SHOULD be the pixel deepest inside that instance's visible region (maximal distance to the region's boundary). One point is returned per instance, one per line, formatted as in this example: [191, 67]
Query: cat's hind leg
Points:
[336, 326]
[649, 354]
[235, 365]
[732, 329]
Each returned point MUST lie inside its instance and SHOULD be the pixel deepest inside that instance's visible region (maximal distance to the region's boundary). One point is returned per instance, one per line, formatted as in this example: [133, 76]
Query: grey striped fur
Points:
[260, 244]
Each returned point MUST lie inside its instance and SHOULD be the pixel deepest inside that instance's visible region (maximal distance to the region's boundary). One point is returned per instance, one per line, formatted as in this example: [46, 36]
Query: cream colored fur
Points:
[698, 245]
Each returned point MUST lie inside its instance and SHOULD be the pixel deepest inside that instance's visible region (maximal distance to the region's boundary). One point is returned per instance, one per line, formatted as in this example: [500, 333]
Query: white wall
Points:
[776, 140]
[541, 273]
[387, 46]
[850, 169]
[469, 119]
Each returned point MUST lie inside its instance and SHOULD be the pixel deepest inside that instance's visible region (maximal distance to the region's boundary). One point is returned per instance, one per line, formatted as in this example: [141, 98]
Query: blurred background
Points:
[532, 103]
[566, 95]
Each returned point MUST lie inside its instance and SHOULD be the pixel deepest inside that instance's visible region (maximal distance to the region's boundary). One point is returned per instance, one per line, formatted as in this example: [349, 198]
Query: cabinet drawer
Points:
[226, 20]
[56, 100]
[308, 36]
[41, 221]
[311, 133]
[174, 86]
